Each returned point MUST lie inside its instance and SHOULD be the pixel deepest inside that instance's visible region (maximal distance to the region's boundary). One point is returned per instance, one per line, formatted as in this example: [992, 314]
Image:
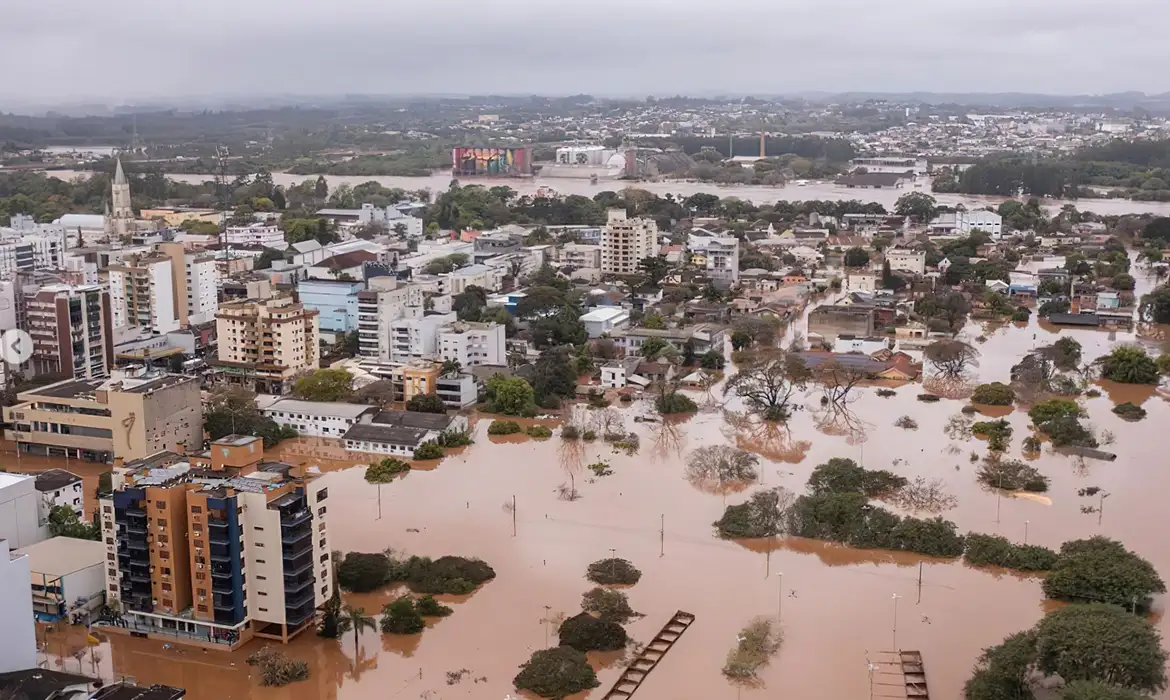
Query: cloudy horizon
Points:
[124, 51]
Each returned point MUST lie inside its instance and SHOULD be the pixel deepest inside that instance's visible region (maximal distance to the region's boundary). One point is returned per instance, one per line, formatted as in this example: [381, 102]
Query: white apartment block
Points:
[318, 418]
[20, 513]
[625, 241]
[142, 294]
[489, 278]
[472, 344]
[385, 302]
[417, 338]
[912, 261]
[717, 255]
[580, 255]
[202, 287]
[255, 235]
[58, 487]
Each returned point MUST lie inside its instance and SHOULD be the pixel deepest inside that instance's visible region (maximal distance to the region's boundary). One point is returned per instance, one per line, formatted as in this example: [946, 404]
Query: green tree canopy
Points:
[1099, 642]
[325, 384]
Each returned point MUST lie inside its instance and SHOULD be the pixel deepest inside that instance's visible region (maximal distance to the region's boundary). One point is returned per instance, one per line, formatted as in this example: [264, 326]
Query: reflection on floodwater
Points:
[835, 602]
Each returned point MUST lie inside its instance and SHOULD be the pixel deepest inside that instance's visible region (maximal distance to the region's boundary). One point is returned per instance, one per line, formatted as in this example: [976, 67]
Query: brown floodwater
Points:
[836, 604]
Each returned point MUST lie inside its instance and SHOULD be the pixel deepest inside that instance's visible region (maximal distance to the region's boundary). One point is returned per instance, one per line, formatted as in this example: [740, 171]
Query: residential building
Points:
[903, 260]
[256, 234]
[45, 251]
[18, 644]
[417, 338]
[264, 343]
[196, 284]
[58, 487]
[318, 418]
[395, 218]
[143, 293]
[856, 281]
[400, 433]
[336, 303]
[387, 301]
[472, 344]
[129, 416]
[457, 390]
[702, 337]
[718, 256]
[217, 549]
[580, 255]
[829, 322]
[71, 328]
[68, 577]
[483, 276]
[964, 222]
[604, 320]
[20, 523]
[625, 241]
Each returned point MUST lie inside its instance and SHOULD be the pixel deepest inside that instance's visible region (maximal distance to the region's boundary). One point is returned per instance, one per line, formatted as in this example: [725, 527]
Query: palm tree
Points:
[449, 368]
[355, 619]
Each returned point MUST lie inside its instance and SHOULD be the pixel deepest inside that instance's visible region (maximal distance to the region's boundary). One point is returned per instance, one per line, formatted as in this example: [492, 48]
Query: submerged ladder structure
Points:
[641, 667]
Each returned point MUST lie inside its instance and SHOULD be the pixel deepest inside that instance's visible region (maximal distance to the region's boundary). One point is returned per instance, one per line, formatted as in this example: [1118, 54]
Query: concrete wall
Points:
[19, 519]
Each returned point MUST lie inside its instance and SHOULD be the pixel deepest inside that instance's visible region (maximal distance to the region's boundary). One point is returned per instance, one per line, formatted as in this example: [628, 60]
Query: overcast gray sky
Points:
[116, 50]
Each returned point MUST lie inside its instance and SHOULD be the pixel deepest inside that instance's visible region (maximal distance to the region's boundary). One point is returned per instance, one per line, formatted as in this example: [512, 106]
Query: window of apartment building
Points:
[322, 544]
[259, 544]
[201, 591]
[202, 608]
[163, 539]
[196, 509]
[200, 576]
[324, 590]
[112, 572]
[321, 510]
[259, 529]
[259, 561]
[162, 522]
[161, 505]
[164, 554]
[110, 556]
[166, 588]
[322, 494]
[263, 609]
[167, 603]
[261, 578]
[107, 509]
[113, 588]
[325, 557]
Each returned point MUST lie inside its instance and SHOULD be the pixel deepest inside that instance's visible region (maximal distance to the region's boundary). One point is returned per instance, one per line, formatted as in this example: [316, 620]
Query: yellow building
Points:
[175, 216]
[418, 377]
[129, 417]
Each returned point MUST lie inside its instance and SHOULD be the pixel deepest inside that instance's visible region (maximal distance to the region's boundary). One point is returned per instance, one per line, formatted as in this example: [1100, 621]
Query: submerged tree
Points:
[952, 358]
[768, 386]
[721, 467]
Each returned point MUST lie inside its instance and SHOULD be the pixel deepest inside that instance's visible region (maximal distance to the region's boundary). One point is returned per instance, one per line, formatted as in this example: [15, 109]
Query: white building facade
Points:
[912, 261]
[255, 235]
[18, 644]
[20, 511]
[717, 255]
[472, 344]
[317, 418]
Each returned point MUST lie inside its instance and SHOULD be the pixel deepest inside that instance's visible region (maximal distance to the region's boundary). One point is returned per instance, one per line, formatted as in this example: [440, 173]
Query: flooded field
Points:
[836, 604]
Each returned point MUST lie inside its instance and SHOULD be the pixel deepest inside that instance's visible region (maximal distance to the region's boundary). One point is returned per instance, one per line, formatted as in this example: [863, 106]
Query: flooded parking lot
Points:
[836, 604]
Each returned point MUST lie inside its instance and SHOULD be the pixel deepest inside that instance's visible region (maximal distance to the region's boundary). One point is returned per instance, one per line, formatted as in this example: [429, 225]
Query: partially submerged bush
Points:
[674, 402]
[756, 645]
[886, 393]
[840, 475]
[1011, 475]
[1129, 411]
[609, 605]
[997, 432]
[587, 633]
[570, 432]
[400, 617]
[1102, 570]
[360, 572]
[504, 427]
[993, 550]
[589, 436]
[994, 394]
[429, 450]
[907, 423]
[556, 673]
[539, 432]
[613, 571]
[849, 518]
[454, 438]
[449, 574]
[427, 606]
[276, 669]
[758, 517]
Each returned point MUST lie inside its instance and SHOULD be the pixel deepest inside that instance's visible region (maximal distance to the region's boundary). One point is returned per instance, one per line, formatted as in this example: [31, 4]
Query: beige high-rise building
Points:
[265, 343]
[625, 241]
[71, 329]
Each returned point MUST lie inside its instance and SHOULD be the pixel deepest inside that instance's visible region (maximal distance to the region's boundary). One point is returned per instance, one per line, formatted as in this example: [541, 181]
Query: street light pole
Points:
[780, 599]
[1025, 532]
[896, 596]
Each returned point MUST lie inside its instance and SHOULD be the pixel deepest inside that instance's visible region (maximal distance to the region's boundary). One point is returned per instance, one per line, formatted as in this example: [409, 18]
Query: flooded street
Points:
[759, 194]
[836, 604]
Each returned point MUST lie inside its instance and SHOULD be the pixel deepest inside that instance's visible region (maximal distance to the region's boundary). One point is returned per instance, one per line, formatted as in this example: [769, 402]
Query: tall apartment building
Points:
[32, 252]
[18, 650]
[385, 302]
[580, 255]
[195, 283]
[218, 548]
[625, 241]
[129, 416]
[71, 328]
[718, 256]
[143, 293]
[417, 338]
[265, 343]
[472, 344]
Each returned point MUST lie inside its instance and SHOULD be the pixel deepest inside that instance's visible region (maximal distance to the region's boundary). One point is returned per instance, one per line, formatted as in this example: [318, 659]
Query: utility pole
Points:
[613, 563]
[513, 516]
[1025, 533]
[919, 582]
[662, 536]
[896, 596]
[780, 599]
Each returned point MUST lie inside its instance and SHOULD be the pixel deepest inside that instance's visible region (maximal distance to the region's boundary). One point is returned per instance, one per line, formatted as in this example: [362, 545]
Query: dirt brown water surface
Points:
[836, 604]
